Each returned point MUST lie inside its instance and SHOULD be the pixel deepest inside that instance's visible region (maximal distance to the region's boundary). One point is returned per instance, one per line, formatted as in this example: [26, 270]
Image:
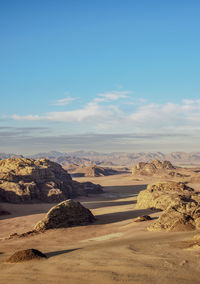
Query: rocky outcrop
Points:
[91, 171]
[66, 214]
[163, 194]
[25, 255]
[154, 167]
[181, 217]
[28, 180]
[179, 202]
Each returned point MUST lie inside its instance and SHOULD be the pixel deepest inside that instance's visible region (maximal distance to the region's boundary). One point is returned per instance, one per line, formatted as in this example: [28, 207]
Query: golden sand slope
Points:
[112, 250]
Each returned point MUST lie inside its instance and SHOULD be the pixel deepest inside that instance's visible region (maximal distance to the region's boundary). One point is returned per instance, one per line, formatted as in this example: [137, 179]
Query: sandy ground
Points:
[112, 250]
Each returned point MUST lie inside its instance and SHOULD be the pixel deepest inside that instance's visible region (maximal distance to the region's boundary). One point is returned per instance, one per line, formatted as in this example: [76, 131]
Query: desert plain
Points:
[114, 249]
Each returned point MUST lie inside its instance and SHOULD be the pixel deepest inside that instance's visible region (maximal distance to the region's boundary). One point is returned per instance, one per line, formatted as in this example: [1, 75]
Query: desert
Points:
[99, 142]
[113, 248]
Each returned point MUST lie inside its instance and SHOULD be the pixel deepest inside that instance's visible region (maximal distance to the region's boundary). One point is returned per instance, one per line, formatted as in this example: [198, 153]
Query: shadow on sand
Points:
[108, 198]
[59, 252]
[101, 204]
[124, 189]
[122, 216]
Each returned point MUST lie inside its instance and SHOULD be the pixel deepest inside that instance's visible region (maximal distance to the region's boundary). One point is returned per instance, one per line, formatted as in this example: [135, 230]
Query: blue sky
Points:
[115, 75]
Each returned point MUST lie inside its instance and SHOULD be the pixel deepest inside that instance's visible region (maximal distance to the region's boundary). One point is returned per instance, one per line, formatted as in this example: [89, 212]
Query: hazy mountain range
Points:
[116, 158]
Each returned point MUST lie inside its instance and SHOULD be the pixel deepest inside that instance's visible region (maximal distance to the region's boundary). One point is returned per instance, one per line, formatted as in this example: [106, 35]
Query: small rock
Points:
[24, 255]
[184, 262]
[143, 218]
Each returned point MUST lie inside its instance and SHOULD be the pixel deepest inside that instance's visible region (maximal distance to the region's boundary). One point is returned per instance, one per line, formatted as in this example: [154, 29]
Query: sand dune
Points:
[112, 250]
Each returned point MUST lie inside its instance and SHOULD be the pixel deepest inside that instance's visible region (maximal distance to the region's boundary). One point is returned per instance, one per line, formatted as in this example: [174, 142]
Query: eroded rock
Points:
[66, 214]
[154, 167]
[28, 180]
[163, 194]
[179, 202]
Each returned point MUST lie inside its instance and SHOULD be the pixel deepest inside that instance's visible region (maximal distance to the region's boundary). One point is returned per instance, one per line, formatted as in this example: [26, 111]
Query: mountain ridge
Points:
[87, 158]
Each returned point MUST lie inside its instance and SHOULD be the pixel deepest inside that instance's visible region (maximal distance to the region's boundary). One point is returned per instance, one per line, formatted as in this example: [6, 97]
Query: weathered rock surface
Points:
[154, 167]
[66, 214]
[177, 218]
[24, 255]
[28, 180]
[163, 194]
[179, 202]
[91, 171]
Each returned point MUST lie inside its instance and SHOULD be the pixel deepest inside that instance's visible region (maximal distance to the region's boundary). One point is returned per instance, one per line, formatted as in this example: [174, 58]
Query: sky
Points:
[103, 75]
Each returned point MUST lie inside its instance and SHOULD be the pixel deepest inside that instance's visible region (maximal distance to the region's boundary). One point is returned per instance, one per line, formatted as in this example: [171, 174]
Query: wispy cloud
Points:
[91, 111]
[105, 112]
[185, 114]
[112, 96]
[64, 102]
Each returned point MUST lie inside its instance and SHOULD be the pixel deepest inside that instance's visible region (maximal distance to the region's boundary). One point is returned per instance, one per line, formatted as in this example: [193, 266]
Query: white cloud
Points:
[90, 111]
[104, 112]
[93, 111]
[170, 116]
[26, 117]
[112, 96]
[64, 102]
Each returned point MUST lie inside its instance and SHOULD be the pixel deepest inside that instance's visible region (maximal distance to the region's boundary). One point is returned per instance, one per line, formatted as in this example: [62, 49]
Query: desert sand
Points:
[114, 249]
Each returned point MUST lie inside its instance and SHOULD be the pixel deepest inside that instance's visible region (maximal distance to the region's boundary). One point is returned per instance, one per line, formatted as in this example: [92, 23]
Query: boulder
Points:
[24, 255]
[66, 214]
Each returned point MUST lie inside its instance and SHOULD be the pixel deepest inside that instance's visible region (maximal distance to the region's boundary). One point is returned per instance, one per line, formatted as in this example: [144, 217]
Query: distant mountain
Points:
[52, 154]
[112, 159]
[6, 156]
[130, 159]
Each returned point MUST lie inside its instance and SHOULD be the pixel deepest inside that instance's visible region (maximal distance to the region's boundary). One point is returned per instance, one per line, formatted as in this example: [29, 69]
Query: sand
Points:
[112, 250]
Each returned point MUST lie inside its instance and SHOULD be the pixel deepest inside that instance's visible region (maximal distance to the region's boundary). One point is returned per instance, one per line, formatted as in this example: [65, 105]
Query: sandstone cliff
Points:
[28, 180]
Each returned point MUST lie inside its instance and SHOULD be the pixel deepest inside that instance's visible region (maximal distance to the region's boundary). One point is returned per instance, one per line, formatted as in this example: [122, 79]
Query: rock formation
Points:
[91, 171]
[66, 214]
[179, 202]
[154, 167]
[24, 255]
[163, 194]
[28, 180]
